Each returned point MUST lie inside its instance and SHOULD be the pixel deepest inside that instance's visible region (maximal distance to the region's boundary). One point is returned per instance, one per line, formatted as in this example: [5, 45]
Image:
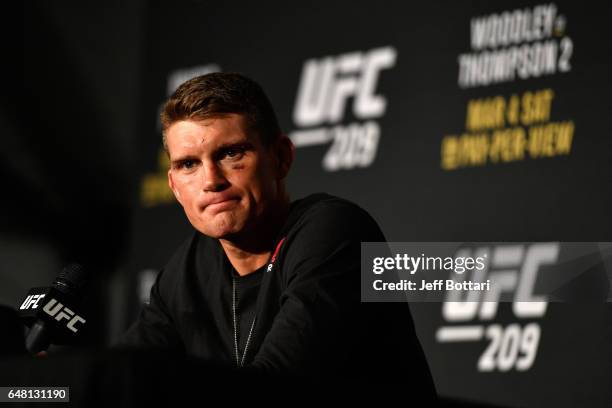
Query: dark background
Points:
[80, 136]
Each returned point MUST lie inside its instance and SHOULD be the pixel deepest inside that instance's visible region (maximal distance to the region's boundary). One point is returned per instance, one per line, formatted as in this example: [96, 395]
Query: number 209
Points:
[510, 347]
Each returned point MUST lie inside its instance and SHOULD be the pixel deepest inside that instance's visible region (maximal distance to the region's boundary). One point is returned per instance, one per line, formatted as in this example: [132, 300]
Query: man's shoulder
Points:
[332, 214]
[323, 204]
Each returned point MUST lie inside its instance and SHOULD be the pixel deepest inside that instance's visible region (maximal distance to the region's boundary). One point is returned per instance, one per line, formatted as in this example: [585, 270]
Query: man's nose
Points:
[214, 179]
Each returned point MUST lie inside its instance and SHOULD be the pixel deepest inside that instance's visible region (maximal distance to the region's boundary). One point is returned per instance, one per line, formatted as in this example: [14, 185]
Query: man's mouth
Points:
[222, 204]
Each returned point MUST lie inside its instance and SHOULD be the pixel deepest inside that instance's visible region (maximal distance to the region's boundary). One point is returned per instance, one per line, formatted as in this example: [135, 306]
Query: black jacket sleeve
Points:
[154, 327]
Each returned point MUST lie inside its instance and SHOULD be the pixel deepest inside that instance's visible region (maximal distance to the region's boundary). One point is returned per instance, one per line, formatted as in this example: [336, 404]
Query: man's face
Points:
[222, 174]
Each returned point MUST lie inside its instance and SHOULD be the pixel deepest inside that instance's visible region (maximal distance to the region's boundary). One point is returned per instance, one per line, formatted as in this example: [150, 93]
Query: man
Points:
[264, 282]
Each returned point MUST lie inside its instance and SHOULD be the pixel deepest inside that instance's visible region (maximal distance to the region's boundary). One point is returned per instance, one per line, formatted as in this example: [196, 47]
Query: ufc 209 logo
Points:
[327, 87]
[513, 269]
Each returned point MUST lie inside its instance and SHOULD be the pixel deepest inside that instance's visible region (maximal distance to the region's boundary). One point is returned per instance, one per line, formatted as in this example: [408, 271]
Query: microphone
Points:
[51, 312]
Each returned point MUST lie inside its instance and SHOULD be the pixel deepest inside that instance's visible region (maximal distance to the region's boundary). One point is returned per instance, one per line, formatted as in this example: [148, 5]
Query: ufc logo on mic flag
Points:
[31, 302]
[55, 309]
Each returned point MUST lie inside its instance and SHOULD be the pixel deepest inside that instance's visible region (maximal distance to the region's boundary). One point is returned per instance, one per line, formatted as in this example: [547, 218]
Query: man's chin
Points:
[223, 231]
[218, 233]
[222, 234]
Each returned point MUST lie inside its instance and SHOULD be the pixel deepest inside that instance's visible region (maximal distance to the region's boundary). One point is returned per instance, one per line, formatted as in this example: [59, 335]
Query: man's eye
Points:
[187, 164]
[233, 153]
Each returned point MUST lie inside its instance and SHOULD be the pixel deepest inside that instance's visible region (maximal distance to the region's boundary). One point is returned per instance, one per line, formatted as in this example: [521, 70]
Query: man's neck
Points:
[251, 251]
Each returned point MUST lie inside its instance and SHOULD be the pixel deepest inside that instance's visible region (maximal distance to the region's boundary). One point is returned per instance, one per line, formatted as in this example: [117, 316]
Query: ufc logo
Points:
[514, 269]
[55, 309]
[326, 85]
[31, 302]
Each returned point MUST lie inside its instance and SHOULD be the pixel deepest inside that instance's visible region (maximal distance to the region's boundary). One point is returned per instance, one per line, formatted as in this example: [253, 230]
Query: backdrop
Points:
[447, 121]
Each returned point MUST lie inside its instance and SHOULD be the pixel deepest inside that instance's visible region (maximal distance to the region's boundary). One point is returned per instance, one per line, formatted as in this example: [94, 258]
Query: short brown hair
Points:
[220, 93]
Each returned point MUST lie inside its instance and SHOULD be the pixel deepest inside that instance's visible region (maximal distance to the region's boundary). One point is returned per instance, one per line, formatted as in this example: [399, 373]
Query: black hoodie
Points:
[306, 304]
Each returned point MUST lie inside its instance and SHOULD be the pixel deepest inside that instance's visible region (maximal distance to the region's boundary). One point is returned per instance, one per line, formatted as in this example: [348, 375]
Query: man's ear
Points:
[285, 152]
[173, 187]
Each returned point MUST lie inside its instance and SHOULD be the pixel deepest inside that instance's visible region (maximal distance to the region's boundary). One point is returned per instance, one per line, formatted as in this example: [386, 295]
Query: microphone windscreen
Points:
[71, 279]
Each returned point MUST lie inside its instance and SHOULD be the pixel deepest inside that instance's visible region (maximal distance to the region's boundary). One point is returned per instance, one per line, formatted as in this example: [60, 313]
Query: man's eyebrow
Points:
[244, 144]
[182, 158]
